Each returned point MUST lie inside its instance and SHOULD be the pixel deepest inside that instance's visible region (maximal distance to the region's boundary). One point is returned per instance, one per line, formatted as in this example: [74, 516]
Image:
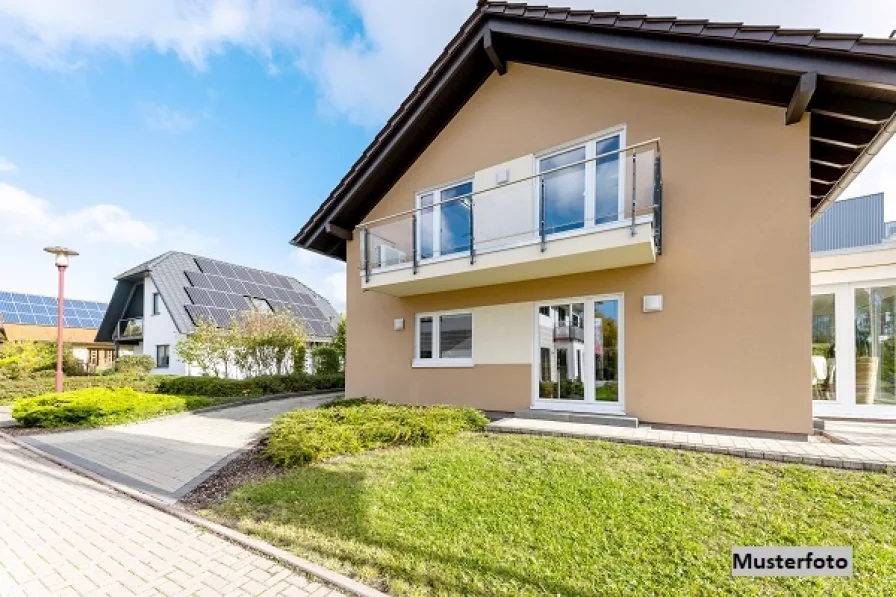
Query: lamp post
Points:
[62, 255]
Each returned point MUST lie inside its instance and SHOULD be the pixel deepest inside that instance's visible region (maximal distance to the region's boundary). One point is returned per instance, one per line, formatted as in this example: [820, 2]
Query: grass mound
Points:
[93, 407]
[304, 436]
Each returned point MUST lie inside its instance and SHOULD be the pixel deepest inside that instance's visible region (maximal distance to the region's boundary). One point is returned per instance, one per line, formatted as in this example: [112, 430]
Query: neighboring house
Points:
[854, 311]
[158, 302]
[34, 317]
[656, 176]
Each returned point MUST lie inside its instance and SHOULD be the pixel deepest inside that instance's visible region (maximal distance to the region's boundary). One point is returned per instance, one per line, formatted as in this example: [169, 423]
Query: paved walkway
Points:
[168, 457]
[64, 535]
[6, 419]
[862, 433]
[875, 458]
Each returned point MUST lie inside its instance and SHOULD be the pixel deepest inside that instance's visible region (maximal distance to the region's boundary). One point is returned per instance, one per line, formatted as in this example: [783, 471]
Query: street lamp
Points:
[62, 255]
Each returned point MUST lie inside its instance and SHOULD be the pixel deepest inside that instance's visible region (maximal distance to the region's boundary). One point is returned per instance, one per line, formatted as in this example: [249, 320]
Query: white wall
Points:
[160, 329]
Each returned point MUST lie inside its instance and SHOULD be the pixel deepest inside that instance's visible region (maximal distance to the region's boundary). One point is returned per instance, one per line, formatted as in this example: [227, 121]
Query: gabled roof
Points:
[847, 81]
[185, 281]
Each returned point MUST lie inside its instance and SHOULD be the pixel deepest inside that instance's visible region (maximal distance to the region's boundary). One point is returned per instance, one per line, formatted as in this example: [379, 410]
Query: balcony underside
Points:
[576, 253]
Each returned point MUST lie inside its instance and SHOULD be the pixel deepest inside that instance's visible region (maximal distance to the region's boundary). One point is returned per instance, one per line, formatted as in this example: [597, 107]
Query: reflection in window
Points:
[561, 334]
[823, 369]
[875, 317]
[455, 232]
[564, 191]
[456, 336]
[425, 337]
[606, 193]
[606, 350]
[426, 229]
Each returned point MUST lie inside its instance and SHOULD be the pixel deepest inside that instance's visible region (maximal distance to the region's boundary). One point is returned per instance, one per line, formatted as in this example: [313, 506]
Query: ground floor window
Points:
[579, 354]
[823, 345]
[444, 339]
[162, 355]
[875, 319]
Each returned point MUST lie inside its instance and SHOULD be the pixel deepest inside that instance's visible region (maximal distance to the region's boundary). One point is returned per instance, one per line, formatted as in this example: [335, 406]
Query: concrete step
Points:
[571, 417]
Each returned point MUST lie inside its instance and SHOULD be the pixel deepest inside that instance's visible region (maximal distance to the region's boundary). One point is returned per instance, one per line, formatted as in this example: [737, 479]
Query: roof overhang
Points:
[851, 93]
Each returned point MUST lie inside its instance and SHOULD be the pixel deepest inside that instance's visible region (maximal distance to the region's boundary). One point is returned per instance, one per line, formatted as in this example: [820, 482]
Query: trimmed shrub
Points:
[11, 390]
[137, 364]
[301, 437]
[93, 407]
[253, 386]
[326, 360]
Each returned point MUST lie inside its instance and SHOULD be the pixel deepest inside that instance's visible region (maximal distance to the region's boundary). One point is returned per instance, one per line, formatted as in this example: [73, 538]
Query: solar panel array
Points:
[219, 292]
[32, 309]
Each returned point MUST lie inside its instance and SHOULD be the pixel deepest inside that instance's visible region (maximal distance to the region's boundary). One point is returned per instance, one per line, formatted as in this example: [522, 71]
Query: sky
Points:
[216, 127]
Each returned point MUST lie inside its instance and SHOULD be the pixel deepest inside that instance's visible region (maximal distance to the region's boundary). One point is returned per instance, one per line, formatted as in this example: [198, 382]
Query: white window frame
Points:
[436, 206]
[588, 404]
[437, 361]
[590, 144]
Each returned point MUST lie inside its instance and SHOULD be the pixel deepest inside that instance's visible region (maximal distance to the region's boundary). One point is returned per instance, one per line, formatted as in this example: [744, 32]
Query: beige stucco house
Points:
[606, 214]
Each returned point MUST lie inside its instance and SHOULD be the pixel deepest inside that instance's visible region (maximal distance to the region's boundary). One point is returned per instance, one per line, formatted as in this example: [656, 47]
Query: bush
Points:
[138, 364]
[265, 385]
[11, 390]
[301, 437]
[98, 406]
[21, 359]
[326, 360]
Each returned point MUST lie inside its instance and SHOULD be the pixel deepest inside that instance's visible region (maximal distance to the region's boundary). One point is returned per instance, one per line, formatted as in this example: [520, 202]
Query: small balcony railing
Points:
[129, 328]
[569, 333]
[532, 209]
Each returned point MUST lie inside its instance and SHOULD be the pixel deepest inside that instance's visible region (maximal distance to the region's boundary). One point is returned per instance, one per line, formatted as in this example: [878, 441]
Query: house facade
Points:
[610, 178]
[854, 311]
[159, 302]
[33, 318]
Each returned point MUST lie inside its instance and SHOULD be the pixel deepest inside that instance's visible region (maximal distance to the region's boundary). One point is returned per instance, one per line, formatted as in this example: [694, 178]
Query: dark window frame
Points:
[156, 303]
[163, 361]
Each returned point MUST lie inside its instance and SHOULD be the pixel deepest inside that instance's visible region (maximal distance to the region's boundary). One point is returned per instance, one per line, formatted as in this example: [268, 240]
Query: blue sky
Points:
[217, 126]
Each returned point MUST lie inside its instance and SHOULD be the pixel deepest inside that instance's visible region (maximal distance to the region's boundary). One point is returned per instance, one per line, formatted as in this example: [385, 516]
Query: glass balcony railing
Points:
[570, 194]
[129, 328]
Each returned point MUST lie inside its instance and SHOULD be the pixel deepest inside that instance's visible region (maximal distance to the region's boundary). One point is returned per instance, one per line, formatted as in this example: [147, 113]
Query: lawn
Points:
[481, 514]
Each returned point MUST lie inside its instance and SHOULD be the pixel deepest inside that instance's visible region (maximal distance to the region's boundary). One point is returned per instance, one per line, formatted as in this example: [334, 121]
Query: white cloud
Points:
[6, 165]
[168, 120]
[323, 275]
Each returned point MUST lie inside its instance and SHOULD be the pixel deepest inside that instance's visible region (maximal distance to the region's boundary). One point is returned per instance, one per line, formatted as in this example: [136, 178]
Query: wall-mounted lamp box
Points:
[502, 176]
[399, 324]
[652, 303]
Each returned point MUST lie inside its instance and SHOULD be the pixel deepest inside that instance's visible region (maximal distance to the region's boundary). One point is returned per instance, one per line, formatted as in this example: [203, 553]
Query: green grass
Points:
[356, 425]
[509, 515]
[96, 407]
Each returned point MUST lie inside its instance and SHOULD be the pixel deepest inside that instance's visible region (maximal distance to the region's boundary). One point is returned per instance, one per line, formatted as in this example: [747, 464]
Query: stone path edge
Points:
[749, 453]
[275, 553]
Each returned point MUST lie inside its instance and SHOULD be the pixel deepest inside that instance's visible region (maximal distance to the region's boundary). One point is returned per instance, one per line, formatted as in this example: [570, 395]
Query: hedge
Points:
[92, 407]
[304, 436]
[14, 389]
[254, 386]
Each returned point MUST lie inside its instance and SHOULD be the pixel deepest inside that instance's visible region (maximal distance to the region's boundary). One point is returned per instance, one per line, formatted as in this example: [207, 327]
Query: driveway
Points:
[168, 457]
[64, 535]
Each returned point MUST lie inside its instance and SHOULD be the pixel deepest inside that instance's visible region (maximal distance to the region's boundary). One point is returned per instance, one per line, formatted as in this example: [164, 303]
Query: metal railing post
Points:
[541, 230]
[658, 204]
[366, 234]
[634, 187]
[472, 235]
[414, 240]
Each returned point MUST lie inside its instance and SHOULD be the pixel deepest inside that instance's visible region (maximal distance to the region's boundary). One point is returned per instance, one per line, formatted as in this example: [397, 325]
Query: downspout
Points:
[878, 143]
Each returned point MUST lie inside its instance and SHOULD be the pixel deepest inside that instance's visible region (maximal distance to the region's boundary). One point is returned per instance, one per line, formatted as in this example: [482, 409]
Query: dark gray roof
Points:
[850, 223]
[168, 272]
[846, 81]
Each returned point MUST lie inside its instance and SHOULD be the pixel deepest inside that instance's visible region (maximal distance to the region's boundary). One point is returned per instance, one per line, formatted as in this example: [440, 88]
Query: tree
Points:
[205, 347]
[264, 343]
[339, 342]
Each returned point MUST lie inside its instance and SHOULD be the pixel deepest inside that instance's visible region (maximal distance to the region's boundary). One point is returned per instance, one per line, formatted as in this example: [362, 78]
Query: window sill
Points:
[441, 363]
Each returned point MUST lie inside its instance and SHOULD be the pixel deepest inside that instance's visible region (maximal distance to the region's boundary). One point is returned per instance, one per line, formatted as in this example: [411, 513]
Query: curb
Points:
[281, 556]
[261, 399]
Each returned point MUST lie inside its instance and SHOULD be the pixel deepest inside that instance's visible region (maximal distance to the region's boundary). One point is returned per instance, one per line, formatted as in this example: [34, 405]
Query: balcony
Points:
[577, 213]
[129, 329]
[568, 333]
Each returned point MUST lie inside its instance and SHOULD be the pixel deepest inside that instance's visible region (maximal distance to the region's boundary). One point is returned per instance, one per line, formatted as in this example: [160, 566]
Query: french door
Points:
[578, 360]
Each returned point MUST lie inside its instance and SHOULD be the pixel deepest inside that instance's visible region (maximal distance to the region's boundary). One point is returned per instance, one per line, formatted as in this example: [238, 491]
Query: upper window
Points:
[163, 356]
[444, 339]
[582, 185]
[259, 304]
[156, 303]
[444, 225]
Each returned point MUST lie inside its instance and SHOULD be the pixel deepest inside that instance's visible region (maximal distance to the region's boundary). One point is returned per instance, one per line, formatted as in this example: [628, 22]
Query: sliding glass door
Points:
[578, 359]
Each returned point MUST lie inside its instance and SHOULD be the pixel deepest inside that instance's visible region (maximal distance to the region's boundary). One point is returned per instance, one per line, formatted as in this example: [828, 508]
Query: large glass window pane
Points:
[561, 337]
[606, 350]
[875, 361]
[425, 337]
[606, 195]
[426, 227]
[823, 370]
[564, 191]
[455, 230]
[456, 336]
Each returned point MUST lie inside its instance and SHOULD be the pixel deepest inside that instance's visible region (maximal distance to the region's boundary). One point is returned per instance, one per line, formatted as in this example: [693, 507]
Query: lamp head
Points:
[62, 255]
